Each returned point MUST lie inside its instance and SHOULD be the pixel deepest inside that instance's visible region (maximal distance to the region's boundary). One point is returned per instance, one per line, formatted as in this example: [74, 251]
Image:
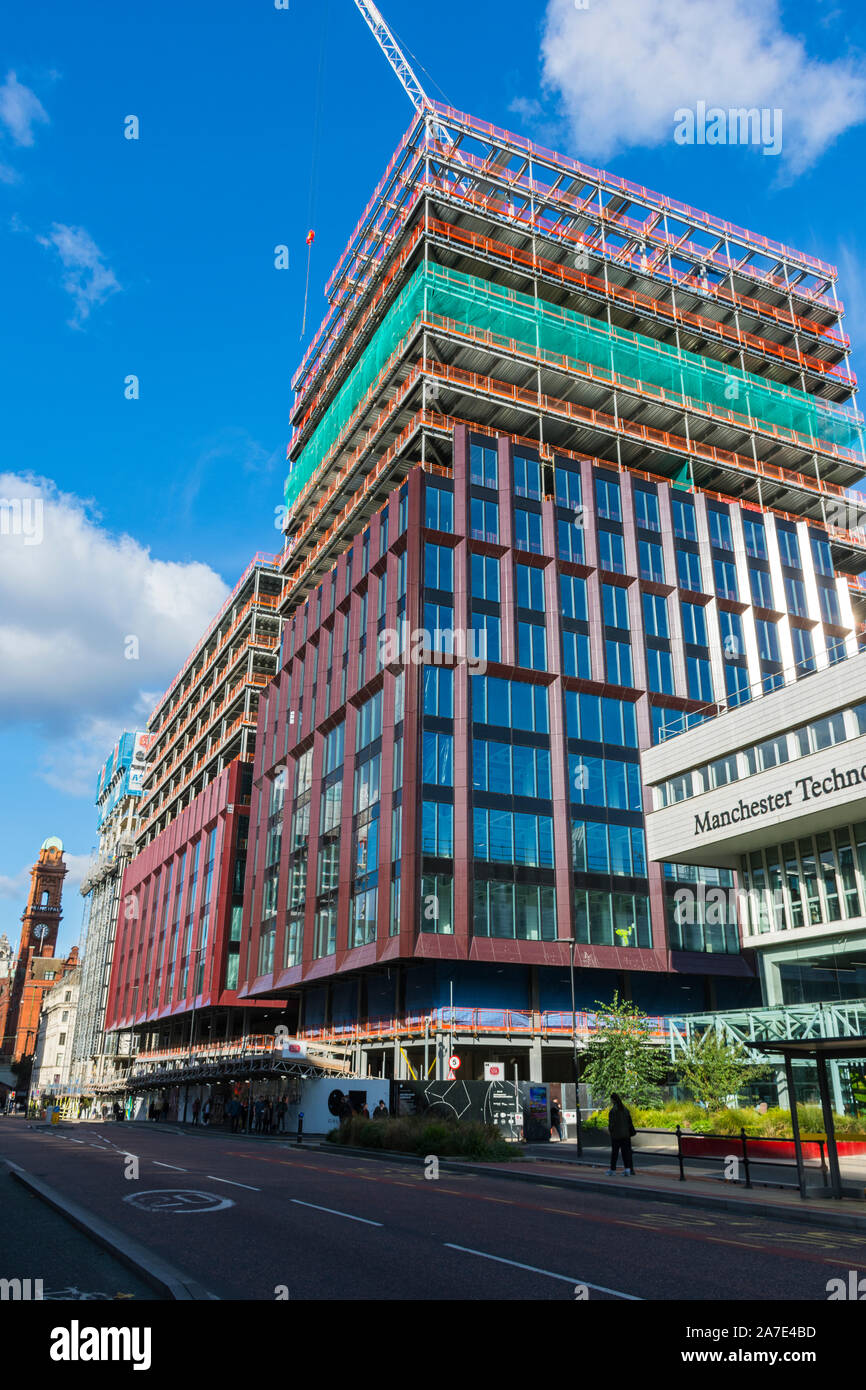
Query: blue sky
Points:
[155, 257]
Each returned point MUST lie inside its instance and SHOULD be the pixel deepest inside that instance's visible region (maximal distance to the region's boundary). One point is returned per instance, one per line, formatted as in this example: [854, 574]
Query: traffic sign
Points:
[454, 1063]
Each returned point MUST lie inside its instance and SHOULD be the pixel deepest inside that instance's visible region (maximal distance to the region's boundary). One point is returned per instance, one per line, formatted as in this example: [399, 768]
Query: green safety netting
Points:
[478, 304]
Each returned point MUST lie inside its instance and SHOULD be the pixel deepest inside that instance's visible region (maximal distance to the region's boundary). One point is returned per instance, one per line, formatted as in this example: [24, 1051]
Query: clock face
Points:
[40, 932]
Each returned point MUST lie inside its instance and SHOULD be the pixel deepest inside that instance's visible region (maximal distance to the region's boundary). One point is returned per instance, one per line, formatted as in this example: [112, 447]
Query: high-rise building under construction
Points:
[570, 468]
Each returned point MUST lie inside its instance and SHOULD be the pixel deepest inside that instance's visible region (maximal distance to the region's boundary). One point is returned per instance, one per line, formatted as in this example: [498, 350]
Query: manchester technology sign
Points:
[804, 789]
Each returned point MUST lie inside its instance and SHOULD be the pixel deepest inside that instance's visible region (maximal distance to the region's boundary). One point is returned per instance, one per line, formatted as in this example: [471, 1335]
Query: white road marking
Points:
[566, 1278]
[157, 1164]
[234, 1184]
[333, 1212]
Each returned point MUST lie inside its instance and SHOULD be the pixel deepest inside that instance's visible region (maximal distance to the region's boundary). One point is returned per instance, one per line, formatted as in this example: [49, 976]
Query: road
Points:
[276, 1221]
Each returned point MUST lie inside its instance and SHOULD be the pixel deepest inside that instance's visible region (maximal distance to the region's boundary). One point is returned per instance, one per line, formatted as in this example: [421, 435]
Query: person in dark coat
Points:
[347, 1111]
[621, 1129]
[381, 1111]
[556, 1119]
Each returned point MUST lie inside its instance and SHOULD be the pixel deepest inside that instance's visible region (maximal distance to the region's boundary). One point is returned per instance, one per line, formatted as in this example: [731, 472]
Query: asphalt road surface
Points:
[36, 1242]
[267, 1220]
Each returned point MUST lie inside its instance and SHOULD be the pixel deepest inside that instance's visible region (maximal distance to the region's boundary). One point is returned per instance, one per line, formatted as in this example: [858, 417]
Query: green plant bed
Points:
[427, 1134]
[774, 1124]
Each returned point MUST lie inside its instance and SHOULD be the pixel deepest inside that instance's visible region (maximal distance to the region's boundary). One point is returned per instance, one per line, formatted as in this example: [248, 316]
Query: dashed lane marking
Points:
[333, 1212]
[548, 1273]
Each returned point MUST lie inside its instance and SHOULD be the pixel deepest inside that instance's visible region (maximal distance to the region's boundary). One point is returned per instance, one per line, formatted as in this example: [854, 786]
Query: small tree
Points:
[713, 1068]
[621, 1056]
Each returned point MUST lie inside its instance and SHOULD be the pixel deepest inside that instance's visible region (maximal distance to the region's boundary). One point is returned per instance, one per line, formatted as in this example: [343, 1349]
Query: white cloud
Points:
[621, 68]
[69, 607]
[88, 279]
[20, 110]
[15, 887]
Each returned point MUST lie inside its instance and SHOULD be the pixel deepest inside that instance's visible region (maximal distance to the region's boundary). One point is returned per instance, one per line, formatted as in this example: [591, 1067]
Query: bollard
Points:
[300, 1126]
[680, 1154]
[746, 1157]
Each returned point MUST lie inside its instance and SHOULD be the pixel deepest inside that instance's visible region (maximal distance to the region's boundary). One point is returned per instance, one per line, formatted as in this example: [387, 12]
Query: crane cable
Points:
[314, 167]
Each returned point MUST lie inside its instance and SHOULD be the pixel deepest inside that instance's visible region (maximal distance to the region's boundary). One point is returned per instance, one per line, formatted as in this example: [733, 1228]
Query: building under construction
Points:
[604, 441]
[175, 970]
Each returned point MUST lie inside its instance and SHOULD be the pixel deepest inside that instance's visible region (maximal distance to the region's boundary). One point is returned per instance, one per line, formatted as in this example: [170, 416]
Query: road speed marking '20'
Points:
[178, 1201]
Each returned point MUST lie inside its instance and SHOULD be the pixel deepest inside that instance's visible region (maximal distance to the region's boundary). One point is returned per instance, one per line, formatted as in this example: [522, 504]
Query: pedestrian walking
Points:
[346, 1110]
[196, 1107]
[556, 1119]
[621, 1129]
[281, 1116]
[381, 1111]
[206, 1113]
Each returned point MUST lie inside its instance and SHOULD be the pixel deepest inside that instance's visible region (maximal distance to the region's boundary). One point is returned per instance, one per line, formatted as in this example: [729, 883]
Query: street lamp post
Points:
[571, 942]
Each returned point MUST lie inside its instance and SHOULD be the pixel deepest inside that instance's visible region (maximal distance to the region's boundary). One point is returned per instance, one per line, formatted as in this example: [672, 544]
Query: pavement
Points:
[265, 1219]
[78, 1268]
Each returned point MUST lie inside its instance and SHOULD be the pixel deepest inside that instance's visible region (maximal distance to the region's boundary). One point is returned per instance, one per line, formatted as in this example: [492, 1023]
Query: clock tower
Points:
[36, 966]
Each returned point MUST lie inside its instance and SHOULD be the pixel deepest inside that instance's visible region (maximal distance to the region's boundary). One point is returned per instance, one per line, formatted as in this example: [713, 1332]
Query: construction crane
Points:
[400, 65]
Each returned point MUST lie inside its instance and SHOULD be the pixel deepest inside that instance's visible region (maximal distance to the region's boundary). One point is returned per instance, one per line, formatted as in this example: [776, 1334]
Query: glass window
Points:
[607, 497]
[569, 541]
[789, 546]
[611, 552]
[615, 605]
[439, 566]
[804, 652]
[689, 571]
[527, 477]
[655, 613]
[660, 673]
[367, 783]
[527, 531]
[439, 508]
[768, 640]
[720, 529]
[485, 634]
[439, 692]
[646, 509]
[532, 646]
[737, 685]
[530, 587]
[437, 829]
[725, 575]
[755, 536]
[694, 623]
[618, 662]
[685, 525]
[568, 487]
[731, 629]
[485, 577]
[437, 759]
[795, 597]
[821, 556]
[651, 558]
[761, 587]
[484, 519]
[439, 626]
[509, 704]
[575, 654]
[573, 594]
[483, 469]
[829, 603]
[699, 678]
